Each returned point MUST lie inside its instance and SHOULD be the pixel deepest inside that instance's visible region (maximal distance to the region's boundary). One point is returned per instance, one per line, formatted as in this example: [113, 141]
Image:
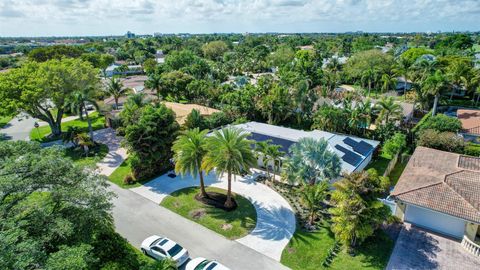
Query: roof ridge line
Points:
[427, 186]
[462, 196]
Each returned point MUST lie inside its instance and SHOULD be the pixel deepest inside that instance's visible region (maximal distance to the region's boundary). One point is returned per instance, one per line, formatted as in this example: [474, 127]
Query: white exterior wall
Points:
[364, 163]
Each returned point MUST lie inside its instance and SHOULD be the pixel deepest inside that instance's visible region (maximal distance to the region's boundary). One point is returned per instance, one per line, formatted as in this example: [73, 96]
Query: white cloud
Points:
[117, 16]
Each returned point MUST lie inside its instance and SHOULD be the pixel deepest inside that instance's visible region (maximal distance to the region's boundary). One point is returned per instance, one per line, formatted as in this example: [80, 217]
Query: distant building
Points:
[402, 86]
[124, 70]
[160, 57]
[157, 34]
[129, 35]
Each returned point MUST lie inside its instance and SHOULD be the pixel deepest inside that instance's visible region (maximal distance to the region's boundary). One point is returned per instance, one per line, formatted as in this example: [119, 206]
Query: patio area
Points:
[275, 217]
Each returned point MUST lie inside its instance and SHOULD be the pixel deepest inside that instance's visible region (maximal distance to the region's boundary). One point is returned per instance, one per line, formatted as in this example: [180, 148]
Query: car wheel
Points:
[144, 251]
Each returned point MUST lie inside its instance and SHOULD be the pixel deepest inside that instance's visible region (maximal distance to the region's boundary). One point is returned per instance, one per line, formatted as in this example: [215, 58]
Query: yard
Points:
[118, 176]
[95, 155]
[308, 250]
[233, 224]
[380, 163]
[41, 134]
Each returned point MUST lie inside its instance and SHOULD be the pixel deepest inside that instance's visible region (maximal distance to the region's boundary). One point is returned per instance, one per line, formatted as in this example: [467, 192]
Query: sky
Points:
[116, 17]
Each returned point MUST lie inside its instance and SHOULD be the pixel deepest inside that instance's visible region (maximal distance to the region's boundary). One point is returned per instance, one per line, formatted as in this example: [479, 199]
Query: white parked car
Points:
[204, 264]
[161, 248]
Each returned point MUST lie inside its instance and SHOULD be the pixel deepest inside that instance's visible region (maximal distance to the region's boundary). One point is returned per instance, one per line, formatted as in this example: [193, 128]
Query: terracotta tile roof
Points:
[442, 181]
[470, 120]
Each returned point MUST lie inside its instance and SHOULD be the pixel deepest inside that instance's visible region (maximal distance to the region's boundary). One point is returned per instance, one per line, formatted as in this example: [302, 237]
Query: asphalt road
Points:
[18, 128]
[136, 218]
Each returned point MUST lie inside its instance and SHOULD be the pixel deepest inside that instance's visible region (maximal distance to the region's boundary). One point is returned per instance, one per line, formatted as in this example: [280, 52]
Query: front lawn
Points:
[233, 225]
[308, 251]
[397, 172]
[95, 155]
[40, 134]
[117, 177]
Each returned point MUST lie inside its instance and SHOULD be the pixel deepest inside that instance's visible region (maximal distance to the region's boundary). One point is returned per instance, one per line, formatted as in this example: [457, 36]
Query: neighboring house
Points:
[355, 153]
[342, 60]
[137, 85]
[401, 87]
[160, 57]
[440, 191]
[470, 120]
[115, 69]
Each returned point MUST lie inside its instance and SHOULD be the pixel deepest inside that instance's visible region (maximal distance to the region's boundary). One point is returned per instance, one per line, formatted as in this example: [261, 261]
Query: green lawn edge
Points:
[243, 219]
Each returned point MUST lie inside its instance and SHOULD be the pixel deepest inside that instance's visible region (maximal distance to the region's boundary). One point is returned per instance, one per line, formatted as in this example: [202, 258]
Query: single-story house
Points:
[114, 69]
[355, 153]
[470, 120]
[136, 84]
[401, 87]
[440, 191]
[160, 57]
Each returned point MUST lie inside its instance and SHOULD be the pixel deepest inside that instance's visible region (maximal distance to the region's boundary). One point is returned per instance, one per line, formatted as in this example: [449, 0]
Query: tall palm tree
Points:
[457, 74]
[78, 102]
[388, 82]
[229, 151]
[402, 69]
[154, 81]
[435, 85]
[311, 197]
[115, 89]
[369, 76]
[189, 151]
[388, 110]
[274, 154]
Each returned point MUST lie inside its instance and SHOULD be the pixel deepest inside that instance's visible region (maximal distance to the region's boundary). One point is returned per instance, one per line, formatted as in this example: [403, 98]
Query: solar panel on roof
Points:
[285, 144]
[349, 157]
[363, 148]
[350, 141]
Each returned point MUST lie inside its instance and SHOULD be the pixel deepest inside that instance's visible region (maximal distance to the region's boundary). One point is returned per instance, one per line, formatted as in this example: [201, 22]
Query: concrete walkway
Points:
[275, 218]
[116, 154]
[419, 249]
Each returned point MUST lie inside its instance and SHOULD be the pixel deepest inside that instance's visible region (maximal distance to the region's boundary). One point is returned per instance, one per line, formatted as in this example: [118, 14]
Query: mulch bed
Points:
[216, 200]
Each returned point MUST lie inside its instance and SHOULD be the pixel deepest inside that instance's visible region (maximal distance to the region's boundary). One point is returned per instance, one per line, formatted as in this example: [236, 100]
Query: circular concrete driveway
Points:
[275, 218]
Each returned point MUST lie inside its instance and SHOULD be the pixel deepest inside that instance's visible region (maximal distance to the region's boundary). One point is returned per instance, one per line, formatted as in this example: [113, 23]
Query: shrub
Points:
[394, 145]
[472, 149]
[442, 123]
[195, 120]
[446, 141]
[217, 119]
[129, 179]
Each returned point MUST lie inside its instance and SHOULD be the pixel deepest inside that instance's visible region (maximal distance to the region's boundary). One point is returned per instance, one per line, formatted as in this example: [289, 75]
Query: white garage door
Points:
[435, 221]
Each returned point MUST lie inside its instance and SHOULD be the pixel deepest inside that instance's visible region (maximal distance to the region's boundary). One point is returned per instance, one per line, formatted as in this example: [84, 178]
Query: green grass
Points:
[397, 172]
[380, 164]
[78, 156]
[119, 174]
[4, 120]
[242, 219]
[98, 122]
[307, 251]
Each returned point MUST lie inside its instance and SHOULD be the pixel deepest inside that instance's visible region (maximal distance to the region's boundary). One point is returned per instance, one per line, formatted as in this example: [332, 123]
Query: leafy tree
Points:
[373, 60]
[132, 109]
[356, 211]
[154, 82]
[330, 118]
[310, 161]
[217, 119]
[214, 50]
[189, 151]
[282, 56]
[36, 88]
[229, 152]
[446, 141]
[311, 197]
[412, 54]
[442, 123]
[150, 65]
[149, 140]
[175, 84]
[115, 88]
[402, 68]
[276, 105]
[57, 52]
[395, 144]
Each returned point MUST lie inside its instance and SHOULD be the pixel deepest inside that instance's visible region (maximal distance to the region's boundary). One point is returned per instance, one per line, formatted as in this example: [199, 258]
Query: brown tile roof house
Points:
[445, 182]
[470, 121]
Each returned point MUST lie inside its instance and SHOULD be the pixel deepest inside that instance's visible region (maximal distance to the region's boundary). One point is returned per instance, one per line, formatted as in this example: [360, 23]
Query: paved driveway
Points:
[275, 218]
[419, 249]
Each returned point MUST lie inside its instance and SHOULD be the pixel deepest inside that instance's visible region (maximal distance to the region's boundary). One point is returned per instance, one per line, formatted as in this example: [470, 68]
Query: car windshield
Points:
[211, 266]
[174, 250]
[202, 265]
[155, 242]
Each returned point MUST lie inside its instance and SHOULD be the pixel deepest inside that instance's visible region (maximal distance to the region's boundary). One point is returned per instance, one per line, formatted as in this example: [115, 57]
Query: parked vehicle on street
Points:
[204, 264]
[163, 248]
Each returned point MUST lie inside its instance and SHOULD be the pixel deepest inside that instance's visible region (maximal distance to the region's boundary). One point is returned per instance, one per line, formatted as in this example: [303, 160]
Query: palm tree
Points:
[369, 76]
[435, 85]
[84, 141]
[78, 102]
[229, 151]
[274, 154]
[115, 89]
[311, 197]
[310, 161]
[402, 69]
[388, 110]
[269, 153]
[189, 151]
[388, 82]
[261, 151]
[457, 74]
[154, 82]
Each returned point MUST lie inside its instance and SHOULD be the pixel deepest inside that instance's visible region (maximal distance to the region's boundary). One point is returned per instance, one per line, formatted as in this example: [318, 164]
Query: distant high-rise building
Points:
[157, 34]
[129, 35]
